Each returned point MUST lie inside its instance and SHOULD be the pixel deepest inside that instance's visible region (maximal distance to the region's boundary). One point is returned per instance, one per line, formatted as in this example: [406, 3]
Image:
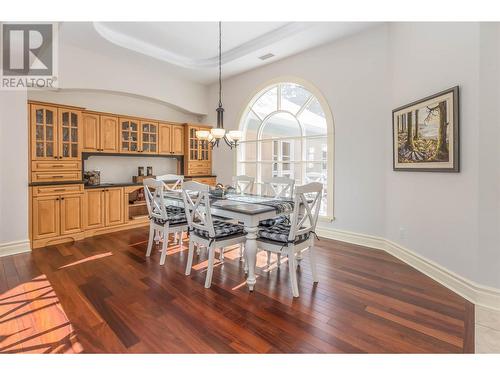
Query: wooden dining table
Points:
[248, 209]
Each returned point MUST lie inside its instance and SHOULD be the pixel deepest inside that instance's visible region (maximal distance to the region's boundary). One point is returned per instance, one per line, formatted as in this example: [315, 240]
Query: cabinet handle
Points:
[57, 176]
[57, 166]
[57, 199]
[62, 199]
[59, 189]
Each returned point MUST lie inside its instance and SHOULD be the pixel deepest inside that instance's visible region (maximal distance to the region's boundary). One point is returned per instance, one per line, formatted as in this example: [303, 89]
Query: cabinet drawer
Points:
[199, 171]
[199, 164]
[208, 180]
[56, 176]
[57, 189]
[50, 166]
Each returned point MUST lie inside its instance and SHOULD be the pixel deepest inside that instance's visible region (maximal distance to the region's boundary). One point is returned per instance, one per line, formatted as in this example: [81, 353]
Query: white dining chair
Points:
[204, 231]
[244, 184]
[168, 178]
[163, 219]
[170, 186]
[277, 187]
[298, 236]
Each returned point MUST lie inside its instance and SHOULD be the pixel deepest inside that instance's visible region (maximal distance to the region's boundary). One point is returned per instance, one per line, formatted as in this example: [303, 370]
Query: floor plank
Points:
[102, 295]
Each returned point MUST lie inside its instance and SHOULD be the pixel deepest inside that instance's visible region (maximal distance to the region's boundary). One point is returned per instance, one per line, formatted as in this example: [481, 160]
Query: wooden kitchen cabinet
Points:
[170, 139]
[129, 135]
[57, 210]
[198, 154]
[71, 213]
[178, 139]
[100, 133]
[90, 137]
[94, 208]
[114, 206]
[69, 128]
[148, 137]
[108, 134]
[44, 132]
[45, 216]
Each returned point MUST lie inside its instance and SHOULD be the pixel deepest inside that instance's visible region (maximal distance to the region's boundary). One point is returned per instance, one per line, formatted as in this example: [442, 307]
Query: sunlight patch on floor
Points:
[32, 320]
[88, 259]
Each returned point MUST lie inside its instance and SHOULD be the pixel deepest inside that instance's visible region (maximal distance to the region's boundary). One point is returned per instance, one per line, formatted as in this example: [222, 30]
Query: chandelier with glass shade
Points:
[213, 136]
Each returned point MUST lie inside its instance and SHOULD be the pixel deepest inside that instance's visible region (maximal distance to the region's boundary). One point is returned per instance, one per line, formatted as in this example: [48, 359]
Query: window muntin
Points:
[285, 133]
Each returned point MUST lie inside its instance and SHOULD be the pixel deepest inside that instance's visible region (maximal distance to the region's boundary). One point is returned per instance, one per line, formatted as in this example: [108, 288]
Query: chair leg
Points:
[312, 260]
[210, 269]
[164, 248]
[157, 236]
[221, 254]
[268, 259]
[176, 238]
[279, 260]
[292, 267]
[298, 257]
[241, 252]
[150, 241]
[190, 258]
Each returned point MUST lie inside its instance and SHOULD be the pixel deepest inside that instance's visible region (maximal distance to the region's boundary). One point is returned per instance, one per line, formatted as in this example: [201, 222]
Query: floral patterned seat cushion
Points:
[176, 215]
[279, 233]
[222, 229]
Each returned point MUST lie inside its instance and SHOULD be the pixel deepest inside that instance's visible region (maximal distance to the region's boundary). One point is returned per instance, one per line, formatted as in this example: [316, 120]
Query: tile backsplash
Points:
[116, 169]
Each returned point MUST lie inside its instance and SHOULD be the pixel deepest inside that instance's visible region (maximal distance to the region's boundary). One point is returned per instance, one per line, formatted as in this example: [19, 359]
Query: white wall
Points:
[489, 155]
[115, 102]
[13, 167]
[438, 211]
[352, 76]
[450, 218]
[127, 73]
[122, 168]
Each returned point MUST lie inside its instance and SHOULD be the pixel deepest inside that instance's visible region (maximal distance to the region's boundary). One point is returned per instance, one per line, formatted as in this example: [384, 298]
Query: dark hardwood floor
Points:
[102, 295]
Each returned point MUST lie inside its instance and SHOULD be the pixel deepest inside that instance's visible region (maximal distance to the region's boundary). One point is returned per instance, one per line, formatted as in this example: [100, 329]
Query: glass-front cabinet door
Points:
[149, 137]
[69, 137]
[193, 144]
[44, 132]
[129, 135]
[204, 151]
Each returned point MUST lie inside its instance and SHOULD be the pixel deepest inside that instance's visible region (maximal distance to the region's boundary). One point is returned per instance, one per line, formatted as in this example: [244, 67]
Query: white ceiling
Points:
[191, 48]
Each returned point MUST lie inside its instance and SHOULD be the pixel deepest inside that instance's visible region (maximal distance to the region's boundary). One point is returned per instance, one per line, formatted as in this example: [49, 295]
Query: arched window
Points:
[286, 133]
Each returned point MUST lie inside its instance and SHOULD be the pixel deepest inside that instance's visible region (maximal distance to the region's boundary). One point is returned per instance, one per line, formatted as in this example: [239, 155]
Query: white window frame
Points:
[240, 165]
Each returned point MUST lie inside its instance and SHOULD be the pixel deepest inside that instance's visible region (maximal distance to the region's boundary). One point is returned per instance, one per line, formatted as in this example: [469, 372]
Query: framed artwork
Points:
[426, 134]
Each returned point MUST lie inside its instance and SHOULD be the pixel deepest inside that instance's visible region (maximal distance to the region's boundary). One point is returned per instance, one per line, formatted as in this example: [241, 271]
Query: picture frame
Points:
[425, 134]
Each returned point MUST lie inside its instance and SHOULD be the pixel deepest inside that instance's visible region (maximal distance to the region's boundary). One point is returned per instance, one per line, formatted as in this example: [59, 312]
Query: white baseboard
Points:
[478, 294]
[11, 248]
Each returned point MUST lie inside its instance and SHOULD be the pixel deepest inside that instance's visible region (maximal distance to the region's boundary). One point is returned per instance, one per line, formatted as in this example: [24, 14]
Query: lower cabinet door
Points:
[45, 217]
[94, 209]
[71, 214]
[114, 206]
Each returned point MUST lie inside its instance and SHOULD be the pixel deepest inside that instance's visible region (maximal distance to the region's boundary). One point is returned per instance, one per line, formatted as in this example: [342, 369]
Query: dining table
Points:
[248, 209]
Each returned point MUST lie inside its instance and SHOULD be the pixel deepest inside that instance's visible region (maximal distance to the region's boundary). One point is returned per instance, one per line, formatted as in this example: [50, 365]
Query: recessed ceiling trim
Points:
[145, 48]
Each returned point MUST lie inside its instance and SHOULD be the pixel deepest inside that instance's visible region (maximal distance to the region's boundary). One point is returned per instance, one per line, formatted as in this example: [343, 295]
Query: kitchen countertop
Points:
[105, 185]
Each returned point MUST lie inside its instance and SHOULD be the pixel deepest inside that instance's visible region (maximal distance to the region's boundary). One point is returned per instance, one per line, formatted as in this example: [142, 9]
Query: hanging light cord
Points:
[220, 64]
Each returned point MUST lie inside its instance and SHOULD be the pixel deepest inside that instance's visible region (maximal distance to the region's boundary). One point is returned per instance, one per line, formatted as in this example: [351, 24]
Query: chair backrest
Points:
[243, 183]
[280, 187]
[309, 196]
[168, 181]
[154, 192]
[197, 206]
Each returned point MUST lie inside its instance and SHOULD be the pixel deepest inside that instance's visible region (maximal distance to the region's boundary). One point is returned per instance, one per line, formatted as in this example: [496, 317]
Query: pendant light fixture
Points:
[216, 134]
